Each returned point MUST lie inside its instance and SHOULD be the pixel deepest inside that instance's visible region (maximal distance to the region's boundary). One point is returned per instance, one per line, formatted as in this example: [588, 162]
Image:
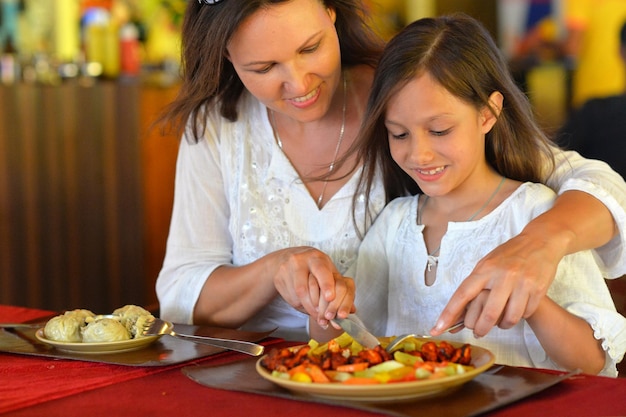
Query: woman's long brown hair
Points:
[209, 79]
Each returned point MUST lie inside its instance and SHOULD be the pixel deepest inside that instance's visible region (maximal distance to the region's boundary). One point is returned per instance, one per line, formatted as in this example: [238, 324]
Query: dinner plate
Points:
[482, 359]
[99, 347]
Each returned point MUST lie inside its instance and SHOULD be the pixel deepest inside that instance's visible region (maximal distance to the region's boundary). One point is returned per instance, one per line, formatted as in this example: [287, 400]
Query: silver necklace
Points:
[433, 259]
[342, 130]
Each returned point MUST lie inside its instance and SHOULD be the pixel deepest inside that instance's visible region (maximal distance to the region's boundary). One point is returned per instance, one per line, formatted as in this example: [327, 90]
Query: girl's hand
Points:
[517, 274]
[309, 281]
[341, 306]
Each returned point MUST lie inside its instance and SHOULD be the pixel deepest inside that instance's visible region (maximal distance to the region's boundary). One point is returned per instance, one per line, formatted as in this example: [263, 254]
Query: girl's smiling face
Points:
[288, 56]
[436, 138]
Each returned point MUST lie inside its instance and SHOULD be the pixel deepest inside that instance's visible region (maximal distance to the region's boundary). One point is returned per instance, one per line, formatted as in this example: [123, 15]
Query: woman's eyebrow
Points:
[302, 46]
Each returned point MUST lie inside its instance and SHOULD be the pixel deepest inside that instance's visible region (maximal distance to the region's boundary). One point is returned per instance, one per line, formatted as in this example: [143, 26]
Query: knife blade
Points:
[354, 327]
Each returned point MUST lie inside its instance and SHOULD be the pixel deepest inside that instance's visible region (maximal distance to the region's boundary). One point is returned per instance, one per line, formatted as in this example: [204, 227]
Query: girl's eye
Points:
[440, 132]
[398, 136]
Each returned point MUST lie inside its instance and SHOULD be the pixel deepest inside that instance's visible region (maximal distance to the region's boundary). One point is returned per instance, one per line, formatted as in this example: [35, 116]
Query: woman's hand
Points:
[517, 274]
[309, 281]
[305, 277]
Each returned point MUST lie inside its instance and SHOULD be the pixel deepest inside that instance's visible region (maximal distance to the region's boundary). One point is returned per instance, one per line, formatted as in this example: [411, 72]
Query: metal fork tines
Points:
[395, 343]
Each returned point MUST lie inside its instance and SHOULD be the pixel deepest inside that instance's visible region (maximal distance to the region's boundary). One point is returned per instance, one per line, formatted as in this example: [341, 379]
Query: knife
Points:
[355, 328]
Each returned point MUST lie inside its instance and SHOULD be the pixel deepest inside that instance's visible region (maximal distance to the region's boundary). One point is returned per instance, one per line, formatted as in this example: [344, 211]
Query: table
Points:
[35, 386]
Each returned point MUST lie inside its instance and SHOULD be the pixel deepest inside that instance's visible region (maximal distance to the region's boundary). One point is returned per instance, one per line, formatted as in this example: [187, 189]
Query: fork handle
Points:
[248, 348]
[455, 326]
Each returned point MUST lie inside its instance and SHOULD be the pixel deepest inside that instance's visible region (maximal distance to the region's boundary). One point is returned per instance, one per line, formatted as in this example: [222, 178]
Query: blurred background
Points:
[86, 185]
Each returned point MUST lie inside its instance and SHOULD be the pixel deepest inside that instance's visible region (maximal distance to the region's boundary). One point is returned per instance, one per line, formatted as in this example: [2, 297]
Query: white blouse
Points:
[392, 297]
[238, 198]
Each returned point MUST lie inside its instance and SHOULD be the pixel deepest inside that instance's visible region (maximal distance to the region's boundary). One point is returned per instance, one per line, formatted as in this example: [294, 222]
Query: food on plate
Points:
[343, 360]
[81, 325]
[133, 318]
[80, 313]
[104, 329]
[66, 327]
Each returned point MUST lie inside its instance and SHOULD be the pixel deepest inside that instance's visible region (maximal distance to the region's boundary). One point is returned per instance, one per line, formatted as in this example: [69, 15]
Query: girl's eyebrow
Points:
[391, 122]
[302, 46]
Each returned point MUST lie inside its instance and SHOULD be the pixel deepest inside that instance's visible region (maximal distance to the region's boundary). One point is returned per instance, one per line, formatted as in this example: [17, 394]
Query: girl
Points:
[446, 111]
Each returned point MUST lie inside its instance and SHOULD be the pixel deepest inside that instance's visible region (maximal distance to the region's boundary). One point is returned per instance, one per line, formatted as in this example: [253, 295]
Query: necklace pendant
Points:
[432, 262]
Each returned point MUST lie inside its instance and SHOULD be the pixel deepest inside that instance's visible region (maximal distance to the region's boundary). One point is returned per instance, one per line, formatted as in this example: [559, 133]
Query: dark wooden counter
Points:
[85, 194]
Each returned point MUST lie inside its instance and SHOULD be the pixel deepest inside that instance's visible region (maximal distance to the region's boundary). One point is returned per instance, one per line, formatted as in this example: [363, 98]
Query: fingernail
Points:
[438, 326]
[323, 324]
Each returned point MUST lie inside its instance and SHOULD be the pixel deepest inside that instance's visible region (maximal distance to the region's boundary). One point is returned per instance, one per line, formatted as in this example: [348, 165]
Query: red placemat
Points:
[166, 351]
[31, 373]
[14, 314]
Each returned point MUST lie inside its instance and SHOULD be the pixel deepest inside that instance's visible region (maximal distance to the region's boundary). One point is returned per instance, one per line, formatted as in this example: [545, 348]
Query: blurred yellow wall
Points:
[599, 69]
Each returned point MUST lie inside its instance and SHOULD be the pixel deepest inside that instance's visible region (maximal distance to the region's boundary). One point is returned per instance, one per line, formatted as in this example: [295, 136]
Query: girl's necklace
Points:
[433, 259]
[342, 130]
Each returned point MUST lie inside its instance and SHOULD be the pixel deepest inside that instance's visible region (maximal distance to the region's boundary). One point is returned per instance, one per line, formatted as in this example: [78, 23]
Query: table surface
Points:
[38, 386]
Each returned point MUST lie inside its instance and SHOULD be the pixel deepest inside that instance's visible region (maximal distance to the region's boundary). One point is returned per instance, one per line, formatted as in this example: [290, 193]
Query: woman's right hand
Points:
[309, 281]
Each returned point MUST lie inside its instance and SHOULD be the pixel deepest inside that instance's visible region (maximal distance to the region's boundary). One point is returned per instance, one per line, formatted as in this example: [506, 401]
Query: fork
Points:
[395, 343]
[158, 327]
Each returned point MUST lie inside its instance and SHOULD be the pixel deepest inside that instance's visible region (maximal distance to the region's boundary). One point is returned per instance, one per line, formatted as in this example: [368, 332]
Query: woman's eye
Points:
[263, 70]
[311, 49]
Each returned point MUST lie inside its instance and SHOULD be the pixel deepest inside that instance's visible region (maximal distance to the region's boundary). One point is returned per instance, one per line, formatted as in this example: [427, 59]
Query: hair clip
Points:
[210, 2]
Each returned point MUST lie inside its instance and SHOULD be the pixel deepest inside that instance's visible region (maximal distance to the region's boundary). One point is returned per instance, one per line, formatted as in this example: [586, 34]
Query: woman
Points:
[262, 227]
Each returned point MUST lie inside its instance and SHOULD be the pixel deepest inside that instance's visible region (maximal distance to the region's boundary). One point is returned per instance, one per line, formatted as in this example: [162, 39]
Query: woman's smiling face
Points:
[288, 56]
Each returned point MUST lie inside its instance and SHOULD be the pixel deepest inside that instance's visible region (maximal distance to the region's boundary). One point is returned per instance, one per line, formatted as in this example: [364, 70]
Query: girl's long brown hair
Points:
[459, 53]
